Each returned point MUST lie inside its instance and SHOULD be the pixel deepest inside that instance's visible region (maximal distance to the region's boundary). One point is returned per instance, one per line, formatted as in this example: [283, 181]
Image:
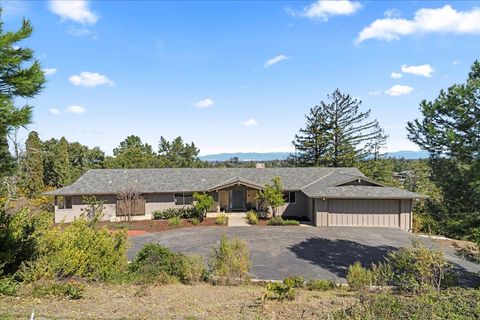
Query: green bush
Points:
[418, 267]
[182, 213]
[230, 262]
[8, 286]
[455, 303]
[295, 281]
[158, 263]
[252, 217]
[320, 285]
[195, 221]
[382, 274]
[221, 219]
[279, 291]
[276, 221]
[202, 203]
[79, 250]
[19, 236]
[175, 222]
[291, 223]
[70, 290]
[358, 277]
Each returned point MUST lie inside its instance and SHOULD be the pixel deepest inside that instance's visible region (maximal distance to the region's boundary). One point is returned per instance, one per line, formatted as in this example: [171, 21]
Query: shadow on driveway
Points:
[336, 255]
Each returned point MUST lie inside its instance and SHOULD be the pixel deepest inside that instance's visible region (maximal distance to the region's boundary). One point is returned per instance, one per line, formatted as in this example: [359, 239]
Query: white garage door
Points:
[364, 213]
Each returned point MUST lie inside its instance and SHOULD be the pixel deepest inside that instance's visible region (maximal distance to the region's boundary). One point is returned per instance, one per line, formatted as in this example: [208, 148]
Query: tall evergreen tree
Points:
[336, 133]
[450, 132]
[61, 163]
[132, 153]
[177, 154]
[32, 165]
[18, 79]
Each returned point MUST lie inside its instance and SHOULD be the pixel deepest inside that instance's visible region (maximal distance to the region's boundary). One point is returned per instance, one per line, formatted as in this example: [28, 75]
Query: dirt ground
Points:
[154, 225]
[175, 301]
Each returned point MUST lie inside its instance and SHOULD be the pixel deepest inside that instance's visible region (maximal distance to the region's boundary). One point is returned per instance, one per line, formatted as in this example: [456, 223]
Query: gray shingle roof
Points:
[314, 182]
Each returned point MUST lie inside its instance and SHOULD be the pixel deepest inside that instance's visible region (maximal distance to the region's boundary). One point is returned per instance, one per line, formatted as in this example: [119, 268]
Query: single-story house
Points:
[325, 196]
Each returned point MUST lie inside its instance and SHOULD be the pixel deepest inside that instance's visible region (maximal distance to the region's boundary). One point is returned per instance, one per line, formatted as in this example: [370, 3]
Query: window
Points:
[289, 197]
[64, 202]
[183, 198]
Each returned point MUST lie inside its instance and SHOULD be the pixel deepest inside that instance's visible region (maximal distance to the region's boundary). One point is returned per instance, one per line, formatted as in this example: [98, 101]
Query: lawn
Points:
[175, 301]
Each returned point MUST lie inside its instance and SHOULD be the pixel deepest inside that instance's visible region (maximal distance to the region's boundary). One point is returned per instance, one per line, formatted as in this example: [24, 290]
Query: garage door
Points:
[364, 213]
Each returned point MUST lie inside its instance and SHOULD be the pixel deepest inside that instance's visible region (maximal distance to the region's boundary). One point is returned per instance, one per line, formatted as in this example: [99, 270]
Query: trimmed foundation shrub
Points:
[295, 281]
[8, 286]
[252, 217]
[278, 221]
[230, 262]
[158, 263]
[79, 250]
[195, 221]
[358, 277]
[182, 213]
[221, 219]
[70, 290]
[291, 222]
[320, 285]
[174, 222]
[279, 291]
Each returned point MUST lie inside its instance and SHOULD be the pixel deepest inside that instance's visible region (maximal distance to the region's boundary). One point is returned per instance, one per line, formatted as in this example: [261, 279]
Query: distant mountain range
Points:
[268, 156]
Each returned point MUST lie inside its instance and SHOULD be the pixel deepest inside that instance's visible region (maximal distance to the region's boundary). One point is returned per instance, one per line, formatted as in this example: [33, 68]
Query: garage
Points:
[364, 213]
[381, 213]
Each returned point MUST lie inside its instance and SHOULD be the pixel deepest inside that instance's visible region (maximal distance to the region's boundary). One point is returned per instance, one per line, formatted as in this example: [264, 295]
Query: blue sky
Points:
[237, 76]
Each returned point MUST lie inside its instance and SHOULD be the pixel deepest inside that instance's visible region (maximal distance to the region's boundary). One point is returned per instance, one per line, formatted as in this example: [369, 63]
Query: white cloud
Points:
[49, 71]
[82, 32]
[75, 10]
[90, 79]
[250, 122]
[455, 62]
[399, 90]
[395, 75]
[205, 103]
[76, 109]
[424, 70]
[54, 111]
[275, 60]
[392, 13]
[324, 9]
[440, 20]
[375, 93]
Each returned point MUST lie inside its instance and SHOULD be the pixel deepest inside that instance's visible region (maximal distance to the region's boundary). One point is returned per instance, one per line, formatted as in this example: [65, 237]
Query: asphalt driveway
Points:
[319, 253]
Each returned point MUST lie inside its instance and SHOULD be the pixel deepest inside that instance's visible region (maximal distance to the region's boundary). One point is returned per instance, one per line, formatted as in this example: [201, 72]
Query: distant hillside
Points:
[268, 156]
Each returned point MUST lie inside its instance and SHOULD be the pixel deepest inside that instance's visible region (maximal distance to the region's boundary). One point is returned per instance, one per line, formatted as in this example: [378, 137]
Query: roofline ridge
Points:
[315, 181]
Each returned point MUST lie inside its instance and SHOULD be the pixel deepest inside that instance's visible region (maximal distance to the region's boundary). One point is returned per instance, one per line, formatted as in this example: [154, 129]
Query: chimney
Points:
[260, 165]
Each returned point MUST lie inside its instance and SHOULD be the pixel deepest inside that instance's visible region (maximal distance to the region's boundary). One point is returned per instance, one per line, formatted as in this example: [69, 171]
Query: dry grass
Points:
[174, 301]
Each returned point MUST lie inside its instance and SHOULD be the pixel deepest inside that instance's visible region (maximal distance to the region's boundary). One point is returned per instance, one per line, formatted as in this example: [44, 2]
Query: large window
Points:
[183, 198]
[64, 202]
[289, 197]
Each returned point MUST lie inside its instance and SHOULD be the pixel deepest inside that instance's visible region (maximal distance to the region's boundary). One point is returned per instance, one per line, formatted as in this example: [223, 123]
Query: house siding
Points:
[297, 209]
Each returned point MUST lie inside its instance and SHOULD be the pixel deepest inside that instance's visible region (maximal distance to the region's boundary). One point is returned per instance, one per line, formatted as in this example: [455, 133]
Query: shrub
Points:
[279, 291]
[19, 236]
[175, 222]
[78, 250]
[320, 285]
[158, 264]
[417, 267]
[382, 274]
[68, 290]
[358, 277]
[221, 219]
[230, 262]
[202, 203]
[195, 221]
[295, 281]
[291, 222]
[8, 286]
[276, 221]
[182, 213]
[252, 217]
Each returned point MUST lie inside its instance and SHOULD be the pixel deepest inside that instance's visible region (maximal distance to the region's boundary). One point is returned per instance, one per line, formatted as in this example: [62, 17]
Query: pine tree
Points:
[61, 163]
[32, 165]
[336, 133]
[17, 80]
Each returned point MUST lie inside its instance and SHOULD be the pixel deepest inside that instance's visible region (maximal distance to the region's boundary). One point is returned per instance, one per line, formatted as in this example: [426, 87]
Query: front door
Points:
[237, 199]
